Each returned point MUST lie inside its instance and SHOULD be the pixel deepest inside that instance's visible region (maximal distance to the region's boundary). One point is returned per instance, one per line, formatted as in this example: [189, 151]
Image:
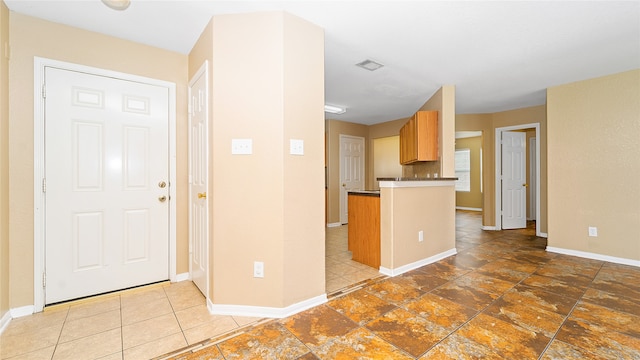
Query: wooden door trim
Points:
[39, 172]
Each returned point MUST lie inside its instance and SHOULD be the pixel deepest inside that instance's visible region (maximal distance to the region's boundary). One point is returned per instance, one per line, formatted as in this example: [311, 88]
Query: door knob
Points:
[162, 198]
[202, 195]
[525, 185]
[162, 184]
[344, 185]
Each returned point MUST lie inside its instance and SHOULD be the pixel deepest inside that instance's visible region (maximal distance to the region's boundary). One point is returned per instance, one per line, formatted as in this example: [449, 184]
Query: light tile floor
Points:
[341, 271]
[149, 321]
[140, 323]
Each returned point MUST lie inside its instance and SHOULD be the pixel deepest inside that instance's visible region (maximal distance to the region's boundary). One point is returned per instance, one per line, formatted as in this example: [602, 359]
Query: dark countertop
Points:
[417, 179]
[364, 192]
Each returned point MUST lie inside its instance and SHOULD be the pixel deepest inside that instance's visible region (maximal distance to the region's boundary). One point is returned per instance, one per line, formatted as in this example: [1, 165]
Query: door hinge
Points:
[44, 91]
[44, 185]
[44, 280]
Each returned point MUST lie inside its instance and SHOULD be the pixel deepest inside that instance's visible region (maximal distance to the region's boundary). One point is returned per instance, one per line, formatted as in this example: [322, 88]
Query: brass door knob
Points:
[202, 195]
[344, 185]
[162, 198]
[162, 184]
[525, 185]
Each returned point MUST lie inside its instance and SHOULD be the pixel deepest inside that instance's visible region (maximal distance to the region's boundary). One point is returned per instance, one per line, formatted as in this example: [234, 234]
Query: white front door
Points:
[351, 170]
[106, 184]
[198, 174]
[514, 181]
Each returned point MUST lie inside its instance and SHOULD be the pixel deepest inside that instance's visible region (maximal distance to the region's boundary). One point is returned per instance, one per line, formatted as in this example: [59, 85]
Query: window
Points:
[463, 170]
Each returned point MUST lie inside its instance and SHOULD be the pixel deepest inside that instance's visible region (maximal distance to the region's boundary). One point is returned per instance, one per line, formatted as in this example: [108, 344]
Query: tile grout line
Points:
[570, 312]
[478, 311]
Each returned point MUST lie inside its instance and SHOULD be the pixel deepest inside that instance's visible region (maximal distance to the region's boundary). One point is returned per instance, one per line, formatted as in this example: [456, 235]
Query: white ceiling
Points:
[500, 55]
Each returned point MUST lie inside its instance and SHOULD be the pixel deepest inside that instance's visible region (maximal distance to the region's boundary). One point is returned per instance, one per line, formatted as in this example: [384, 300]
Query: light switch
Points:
[241, 146]
[296, 147]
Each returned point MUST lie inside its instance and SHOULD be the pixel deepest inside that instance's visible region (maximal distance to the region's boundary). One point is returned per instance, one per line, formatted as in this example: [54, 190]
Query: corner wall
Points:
[268, 86]
[593, 144]
[444, 102]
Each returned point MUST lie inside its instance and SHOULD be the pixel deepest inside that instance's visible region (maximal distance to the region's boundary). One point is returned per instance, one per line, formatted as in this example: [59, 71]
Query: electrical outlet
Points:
[420, 236]
[258, 269]
[593, 231]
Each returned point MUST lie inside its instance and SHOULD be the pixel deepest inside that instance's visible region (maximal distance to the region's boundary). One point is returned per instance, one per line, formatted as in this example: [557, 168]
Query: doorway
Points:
[199, 179]
[351, 170]
[107, 132]
[499, 172]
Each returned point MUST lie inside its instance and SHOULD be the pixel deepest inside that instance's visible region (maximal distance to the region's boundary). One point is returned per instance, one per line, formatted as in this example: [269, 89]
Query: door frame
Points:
[202, 71]
[342, 199]
[498, 173]
[39, 163]
[533, 178]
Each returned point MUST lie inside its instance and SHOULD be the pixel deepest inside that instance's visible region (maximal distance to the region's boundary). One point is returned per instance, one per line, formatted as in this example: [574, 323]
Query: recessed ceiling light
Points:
[335, 109]
[369, 65]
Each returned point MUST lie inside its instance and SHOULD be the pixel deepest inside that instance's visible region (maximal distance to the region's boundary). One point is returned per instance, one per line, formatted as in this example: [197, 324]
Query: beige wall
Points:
[406, 211]
[31, 37]
[444, 102]
[386, 152]
[594, 144]
[4, 161]
[335, 128]
[377, 131]
[268, 86]
[473, 198]
[487, 123]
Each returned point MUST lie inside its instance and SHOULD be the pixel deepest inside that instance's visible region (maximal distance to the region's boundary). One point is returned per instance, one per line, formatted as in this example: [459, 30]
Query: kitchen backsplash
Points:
[426, 169]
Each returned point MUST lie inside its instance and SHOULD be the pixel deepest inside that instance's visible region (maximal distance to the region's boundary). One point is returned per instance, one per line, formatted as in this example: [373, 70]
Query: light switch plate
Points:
[241, 146]
[296, 147]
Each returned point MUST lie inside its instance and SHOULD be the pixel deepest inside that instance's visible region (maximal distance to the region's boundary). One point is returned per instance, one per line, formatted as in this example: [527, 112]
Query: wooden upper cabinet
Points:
[419, 138]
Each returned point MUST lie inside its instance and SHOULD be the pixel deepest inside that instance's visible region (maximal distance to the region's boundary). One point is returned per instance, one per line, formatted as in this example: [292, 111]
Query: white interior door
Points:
[107, 184]
[514, 181]
[351, 170]
[198, 175]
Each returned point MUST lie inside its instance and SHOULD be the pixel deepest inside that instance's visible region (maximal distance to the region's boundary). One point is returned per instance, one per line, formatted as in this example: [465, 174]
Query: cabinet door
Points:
[427, 135]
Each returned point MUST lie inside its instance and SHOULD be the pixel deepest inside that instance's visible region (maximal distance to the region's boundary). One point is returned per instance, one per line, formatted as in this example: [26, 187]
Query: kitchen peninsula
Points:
[416, 223]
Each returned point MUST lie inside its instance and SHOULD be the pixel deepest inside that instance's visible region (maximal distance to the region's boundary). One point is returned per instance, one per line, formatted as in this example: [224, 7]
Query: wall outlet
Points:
[593, 231]
[420, 236]
[258, 269]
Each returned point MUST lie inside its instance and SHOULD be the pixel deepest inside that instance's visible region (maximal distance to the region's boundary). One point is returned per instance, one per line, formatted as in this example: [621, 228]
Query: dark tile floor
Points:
[501, 297]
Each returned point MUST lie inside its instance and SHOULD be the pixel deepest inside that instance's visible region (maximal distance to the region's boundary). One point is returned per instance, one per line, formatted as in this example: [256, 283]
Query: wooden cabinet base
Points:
[364, 229]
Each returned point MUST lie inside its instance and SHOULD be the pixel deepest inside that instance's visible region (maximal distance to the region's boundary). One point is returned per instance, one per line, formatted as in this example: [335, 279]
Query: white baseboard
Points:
[544, 235]
[490, 228]
[4, 321]
[182, 277]
[265, 312]
[594, 256]
[22, 311]
[334, 224]
[417, 264]
[468, 208]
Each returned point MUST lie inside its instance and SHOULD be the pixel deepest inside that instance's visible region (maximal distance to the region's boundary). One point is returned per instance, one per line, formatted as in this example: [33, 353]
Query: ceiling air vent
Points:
[370, 65]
